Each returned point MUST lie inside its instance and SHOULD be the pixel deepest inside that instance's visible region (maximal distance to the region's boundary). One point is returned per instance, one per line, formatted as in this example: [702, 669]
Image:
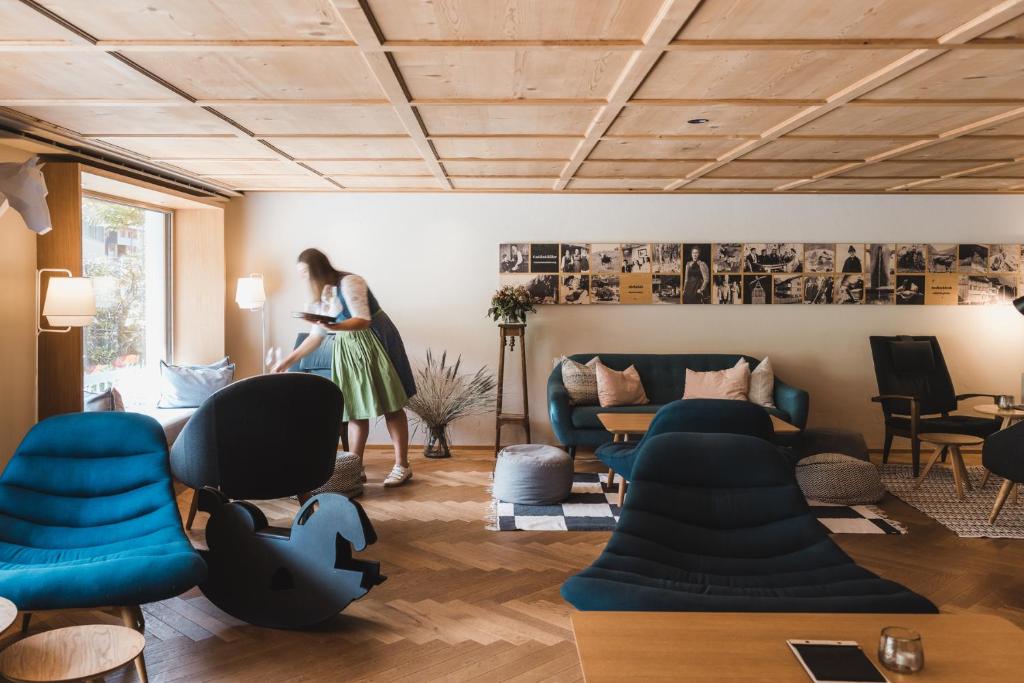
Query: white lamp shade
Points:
[69, 302]
[250, 292]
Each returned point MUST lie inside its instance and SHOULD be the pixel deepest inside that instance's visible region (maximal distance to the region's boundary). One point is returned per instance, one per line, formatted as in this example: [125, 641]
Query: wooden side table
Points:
[507, 335]
[951, 443]
[74, 653]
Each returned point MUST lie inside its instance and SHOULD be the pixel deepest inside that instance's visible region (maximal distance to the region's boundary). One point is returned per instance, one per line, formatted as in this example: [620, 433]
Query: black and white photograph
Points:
[514, 257]
[880, 265]
[757, 289]
[986, 290]
[575, 258]
[697, 273]
[773, 257]
[910, 290]
[605, 258]
[636, 258]
[728, 289]
[728, 258]
[849, 289]
[849, 258]
[820, 258]
[1004, 258]
[941, 258]
[972, 258]
[543, 258]
[667, 257]
[818, 289]
[911, 258]
[880, 295]
[788, 289]
[667, 289]
[604, 289]
[575, 289]
[543, 289]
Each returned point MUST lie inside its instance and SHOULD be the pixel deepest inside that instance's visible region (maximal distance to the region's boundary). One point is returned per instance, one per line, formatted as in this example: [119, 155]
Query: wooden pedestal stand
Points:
[507, 334]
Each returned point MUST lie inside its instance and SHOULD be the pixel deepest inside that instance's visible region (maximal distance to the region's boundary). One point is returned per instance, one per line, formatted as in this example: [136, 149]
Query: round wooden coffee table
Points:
[952, 443]
[8, 613]
[75, 653]
[1010, 416]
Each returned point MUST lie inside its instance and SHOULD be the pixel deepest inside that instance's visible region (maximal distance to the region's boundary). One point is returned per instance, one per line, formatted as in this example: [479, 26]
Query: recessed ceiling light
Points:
[697, 121]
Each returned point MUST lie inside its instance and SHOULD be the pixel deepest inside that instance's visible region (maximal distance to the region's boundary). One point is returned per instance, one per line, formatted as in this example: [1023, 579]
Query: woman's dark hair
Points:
[321, 272]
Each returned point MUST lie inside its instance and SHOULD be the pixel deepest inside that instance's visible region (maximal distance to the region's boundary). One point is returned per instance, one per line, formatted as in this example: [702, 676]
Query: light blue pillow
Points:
[187, 386]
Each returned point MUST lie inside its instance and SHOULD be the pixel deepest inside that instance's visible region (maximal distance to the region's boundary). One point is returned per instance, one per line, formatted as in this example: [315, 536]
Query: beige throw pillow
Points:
[616, 388]
[580, 381]
[762, 384]
[731, 384]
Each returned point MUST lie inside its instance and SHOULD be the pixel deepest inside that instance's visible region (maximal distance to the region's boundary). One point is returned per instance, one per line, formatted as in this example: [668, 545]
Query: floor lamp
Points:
[251, 295]
[69, 303]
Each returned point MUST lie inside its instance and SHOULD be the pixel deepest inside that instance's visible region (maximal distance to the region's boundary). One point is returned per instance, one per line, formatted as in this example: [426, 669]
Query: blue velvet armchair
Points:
[88, 519]
[663, 377]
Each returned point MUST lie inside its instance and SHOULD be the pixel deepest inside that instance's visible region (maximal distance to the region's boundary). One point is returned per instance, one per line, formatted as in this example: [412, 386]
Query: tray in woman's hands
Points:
[313, 317]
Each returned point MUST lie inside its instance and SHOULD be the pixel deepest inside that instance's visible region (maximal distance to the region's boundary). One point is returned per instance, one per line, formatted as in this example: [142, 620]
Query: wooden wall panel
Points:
[199, 286]
[60, 355]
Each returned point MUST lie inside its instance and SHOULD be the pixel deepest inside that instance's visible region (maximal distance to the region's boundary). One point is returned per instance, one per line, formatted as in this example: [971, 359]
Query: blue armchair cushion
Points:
[88, 516]
[695, 415]
[716, 522]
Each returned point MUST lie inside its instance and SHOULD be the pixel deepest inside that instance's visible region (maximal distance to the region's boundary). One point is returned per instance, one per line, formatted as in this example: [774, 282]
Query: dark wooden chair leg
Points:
[572, 452]
[26, 621]
[344, 436]
[887, 446]
[915, 455]
[131, 616]
[193, 508]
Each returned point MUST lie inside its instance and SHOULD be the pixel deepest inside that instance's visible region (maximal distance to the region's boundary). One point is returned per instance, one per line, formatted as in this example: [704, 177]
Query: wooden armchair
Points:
[917, 396]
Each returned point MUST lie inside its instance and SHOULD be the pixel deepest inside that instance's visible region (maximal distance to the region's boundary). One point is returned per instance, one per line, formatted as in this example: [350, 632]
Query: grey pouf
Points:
[831, 440]
[347, 478]
[840, 479]
[532, 474]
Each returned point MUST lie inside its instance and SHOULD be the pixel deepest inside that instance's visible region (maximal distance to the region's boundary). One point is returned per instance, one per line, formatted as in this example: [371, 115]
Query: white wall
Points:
[431, 260]
[17, 330]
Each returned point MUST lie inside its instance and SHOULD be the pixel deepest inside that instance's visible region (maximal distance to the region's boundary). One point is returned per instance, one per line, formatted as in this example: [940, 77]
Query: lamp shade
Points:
[1018, 303]
[69, 302]
[250, 292]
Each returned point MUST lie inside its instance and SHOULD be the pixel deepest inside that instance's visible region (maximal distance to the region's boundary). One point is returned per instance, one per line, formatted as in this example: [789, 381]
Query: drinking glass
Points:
[900, 650]
[1005, 402]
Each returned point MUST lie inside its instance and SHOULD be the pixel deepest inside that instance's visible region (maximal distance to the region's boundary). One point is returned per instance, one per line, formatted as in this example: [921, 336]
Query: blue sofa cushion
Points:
[716, 522]
[88, 516]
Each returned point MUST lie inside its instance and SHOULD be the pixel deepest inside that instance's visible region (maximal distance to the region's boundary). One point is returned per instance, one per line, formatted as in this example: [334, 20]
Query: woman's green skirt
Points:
[366, 373]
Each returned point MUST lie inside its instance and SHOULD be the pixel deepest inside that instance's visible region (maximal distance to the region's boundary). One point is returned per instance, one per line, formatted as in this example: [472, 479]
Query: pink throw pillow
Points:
[732, 384]
[616, 388]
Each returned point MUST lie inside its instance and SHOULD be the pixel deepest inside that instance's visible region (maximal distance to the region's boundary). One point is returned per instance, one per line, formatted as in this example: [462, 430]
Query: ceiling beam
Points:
[986, 21]
[669, 21]
[363, 27]
[956, 174]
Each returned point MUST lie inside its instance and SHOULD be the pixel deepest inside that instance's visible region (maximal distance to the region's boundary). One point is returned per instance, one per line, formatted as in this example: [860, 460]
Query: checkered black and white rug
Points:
[591, 508]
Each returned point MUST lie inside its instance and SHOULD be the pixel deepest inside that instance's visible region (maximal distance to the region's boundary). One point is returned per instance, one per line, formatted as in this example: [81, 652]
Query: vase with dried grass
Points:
[443, 395]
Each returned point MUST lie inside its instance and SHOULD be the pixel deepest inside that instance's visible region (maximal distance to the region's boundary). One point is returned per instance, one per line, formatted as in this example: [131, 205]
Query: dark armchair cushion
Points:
[910, 357]
[1003, 453]
[952, 424]
[913, 366]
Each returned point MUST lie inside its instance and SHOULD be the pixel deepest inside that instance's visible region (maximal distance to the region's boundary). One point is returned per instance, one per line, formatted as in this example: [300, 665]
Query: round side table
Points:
[74, 653]
[952, 443]
[1010, 416]
[8, 613]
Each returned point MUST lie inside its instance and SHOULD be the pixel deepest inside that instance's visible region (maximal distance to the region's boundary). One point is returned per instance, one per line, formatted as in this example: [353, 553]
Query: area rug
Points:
[590, 508]
[967, 518]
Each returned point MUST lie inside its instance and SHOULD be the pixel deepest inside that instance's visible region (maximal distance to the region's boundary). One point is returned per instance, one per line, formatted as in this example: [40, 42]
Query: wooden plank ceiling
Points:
[534, 95]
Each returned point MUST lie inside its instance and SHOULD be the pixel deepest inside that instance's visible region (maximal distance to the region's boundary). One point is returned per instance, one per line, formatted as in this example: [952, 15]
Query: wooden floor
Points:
[465, 604]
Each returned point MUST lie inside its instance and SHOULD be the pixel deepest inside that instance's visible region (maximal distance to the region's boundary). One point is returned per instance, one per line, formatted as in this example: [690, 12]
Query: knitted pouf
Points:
[532, 474]
[347, 477]
[840, 479]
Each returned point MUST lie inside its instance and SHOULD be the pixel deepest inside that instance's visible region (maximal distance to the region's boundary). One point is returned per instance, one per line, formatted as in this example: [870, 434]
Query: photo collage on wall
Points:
[777, 273]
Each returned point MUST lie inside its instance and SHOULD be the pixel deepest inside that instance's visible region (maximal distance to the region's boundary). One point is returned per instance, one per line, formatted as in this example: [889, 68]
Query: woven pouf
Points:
[532, 474]
[347, 477]
[840, 479]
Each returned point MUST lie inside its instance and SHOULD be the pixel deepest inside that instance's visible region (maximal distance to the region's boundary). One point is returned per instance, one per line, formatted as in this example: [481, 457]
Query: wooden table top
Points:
[71, 654]
[8, 613]
[995, 410]
[699, 647]
[944, 439]
[637, 423]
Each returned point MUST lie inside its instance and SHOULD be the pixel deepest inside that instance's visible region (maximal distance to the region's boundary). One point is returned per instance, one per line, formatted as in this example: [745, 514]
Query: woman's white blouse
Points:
[357, 298]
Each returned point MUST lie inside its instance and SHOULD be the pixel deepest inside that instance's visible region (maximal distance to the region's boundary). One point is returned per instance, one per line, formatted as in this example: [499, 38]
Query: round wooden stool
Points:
[951, 443]
[74, 653]
[8, 613]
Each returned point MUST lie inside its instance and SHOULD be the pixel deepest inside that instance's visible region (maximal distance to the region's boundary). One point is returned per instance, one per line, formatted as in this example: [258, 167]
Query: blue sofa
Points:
[717, 523]
[663, 377]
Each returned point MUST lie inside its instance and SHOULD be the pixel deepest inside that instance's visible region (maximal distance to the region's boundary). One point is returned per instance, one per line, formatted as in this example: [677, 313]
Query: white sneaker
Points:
[398, 476]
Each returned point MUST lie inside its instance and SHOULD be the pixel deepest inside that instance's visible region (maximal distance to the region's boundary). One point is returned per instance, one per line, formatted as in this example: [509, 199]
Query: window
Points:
[125, 252]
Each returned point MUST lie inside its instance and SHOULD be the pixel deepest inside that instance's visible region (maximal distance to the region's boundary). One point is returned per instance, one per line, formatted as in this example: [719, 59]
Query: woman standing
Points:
[369, 363]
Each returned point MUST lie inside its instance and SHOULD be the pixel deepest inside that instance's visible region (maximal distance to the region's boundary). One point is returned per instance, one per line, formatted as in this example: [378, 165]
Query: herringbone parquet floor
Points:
[465, 604]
